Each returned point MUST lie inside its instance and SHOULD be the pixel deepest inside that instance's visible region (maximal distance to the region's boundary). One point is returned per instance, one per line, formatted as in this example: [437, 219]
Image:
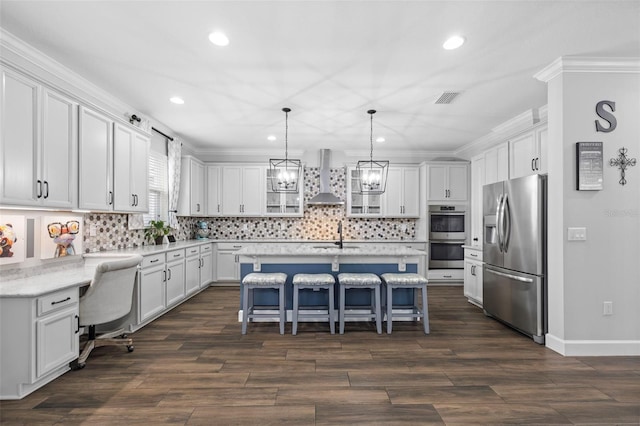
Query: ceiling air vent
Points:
[446, 97]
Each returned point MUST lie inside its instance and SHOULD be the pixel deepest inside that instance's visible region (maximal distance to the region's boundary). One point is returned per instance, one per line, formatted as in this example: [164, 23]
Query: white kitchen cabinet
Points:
[242, 190]
[206, 265]
[192, 188]
[95, 161]
[496, 161]
[39, 337]
[38, 145]
[359, 205]
[527, 153]
[227, 269]
[283, 203]
[192, 270]
[213, 199]
[473, 276]
[175, 277]
[478, 175]
[151, 288]
[401, 197]
[130, 170]
[447, 182]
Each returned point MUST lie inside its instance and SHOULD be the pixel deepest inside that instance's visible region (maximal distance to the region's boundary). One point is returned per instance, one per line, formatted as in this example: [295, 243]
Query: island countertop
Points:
[328, 249]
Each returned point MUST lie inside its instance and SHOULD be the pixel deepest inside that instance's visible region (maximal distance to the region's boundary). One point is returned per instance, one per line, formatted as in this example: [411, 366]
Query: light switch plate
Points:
[576, 234]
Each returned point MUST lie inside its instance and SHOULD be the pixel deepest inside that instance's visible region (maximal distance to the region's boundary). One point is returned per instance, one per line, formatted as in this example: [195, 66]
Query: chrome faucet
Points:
[339, 243]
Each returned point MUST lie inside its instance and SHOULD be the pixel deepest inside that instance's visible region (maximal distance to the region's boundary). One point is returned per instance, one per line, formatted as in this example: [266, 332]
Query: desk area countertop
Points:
[79, 273]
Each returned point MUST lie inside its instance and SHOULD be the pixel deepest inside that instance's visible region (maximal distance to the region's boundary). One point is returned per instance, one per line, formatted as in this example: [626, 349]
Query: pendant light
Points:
[284, 174]
[372, 174]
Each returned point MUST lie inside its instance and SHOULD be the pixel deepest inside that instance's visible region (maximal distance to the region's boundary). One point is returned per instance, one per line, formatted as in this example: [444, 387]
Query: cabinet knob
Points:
[475, 239]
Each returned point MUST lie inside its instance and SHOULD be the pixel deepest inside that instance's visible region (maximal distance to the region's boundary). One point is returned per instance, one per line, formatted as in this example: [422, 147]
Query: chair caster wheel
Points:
[130, 348]
[75, 365]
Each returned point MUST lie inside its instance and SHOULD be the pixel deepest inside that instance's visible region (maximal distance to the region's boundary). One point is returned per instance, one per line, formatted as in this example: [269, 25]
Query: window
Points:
[158, 188]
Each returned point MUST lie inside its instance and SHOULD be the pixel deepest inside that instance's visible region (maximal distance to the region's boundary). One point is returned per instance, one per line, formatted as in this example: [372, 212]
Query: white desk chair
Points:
[108, 298]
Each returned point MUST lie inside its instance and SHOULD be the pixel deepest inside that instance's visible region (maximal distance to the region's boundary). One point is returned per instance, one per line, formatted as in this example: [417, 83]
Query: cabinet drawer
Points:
[229, 246]
[58, 300]
[205, 248]
[192, 251]
[154, 260]
[175, 255]
[473, 254]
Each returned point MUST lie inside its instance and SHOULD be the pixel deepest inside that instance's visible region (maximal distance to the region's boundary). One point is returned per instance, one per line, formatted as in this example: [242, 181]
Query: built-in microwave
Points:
[447, 223]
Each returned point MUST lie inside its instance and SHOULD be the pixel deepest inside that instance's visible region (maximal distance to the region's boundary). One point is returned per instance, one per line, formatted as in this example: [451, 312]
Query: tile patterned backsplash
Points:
[317, 223]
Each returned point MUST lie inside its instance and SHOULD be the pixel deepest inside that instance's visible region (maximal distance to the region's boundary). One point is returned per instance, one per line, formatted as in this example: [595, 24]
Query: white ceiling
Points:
[329, 61]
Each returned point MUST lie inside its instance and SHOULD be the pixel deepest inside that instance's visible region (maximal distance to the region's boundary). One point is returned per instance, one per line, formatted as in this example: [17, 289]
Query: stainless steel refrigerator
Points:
[514, 252]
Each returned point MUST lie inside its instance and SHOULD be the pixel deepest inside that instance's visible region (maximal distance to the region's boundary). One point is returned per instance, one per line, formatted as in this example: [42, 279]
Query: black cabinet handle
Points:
[39, 188]
[77, 324]
[61, 301]
[46, 185]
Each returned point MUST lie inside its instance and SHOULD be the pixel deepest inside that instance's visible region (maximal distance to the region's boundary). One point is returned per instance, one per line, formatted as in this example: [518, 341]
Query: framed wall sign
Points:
[589, 165]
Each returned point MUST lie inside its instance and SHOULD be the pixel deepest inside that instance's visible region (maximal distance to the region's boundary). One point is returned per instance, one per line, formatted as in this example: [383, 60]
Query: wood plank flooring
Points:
[193, 367]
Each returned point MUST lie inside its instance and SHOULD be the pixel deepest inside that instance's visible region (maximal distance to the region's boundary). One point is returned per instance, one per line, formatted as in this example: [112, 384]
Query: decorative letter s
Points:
[606, 115]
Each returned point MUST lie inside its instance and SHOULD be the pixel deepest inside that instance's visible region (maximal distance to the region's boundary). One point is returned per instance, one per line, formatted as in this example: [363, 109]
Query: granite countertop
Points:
[327, 249]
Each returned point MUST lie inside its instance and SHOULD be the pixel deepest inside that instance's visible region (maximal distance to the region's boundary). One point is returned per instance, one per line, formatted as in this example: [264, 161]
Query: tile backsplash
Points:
[317, 223]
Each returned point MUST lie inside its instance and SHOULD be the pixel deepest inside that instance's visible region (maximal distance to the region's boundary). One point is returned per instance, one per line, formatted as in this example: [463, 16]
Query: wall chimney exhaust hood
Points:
[325, 197]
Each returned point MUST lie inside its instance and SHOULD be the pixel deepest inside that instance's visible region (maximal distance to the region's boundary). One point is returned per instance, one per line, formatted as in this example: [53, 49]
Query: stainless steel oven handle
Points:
[513, 277]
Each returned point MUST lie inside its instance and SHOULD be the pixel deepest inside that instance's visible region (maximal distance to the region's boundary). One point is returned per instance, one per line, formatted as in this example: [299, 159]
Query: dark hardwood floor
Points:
[192, 366]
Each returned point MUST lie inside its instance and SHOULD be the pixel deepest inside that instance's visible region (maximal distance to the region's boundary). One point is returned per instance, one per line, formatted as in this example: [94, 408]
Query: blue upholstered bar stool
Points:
[315, 282]
[407, 280]
[360, 280]
[260, 280]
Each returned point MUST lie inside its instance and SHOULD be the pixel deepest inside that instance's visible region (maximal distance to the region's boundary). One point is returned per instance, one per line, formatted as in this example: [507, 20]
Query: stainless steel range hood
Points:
[325, 197]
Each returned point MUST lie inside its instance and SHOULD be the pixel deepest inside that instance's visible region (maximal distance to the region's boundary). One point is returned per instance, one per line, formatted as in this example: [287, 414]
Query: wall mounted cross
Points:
[622, 162]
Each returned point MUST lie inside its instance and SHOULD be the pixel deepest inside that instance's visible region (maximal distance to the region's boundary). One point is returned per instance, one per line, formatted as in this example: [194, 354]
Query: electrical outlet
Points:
[577, 234]
[245, 227]
[93, 230]
[607, 308]
[283, 226]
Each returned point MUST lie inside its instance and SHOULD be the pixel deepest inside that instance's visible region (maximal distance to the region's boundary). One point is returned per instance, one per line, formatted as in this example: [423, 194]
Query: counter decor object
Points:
[157, 232]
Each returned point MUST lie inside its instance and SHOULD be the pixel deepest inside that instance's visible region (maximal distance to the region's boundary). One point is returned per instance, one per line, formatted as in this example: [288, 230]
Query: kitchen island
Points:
[326, 258]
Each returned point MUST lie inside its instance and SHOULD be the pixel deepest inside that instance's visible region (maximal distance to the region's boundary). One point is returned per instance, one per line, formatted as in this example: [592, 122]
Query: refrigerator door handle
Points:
[506, 218]
[499, 213]
[513, 277]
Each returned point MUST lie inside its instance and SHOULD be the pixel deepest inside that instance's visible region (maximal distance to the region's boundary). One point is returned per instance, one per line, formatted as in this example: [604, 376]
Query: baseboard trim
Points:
[593, 347]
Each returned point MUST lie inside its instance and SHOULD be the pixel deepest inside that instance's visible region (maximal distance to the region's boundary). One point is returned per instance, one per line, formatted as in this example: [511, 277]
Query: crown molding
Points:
[580, 64]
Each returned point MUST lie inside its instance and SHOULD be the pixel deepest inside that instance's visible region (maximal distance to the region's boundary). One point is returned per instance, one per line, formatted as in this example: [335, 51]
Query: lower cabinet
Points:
[227, 268]
[174, 277]
[45, 326]
[167, 279]
[473, 276]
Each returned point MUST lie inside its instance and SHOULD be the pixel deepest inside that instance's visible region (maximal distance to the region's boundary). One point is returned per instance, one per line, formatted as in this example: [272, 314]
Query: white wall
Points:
[582, 275]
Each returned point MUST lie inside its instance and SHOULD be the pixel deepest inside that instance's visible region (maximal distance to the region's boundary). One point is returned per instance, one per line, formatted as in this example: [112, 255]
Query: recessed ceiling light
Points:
[453, 42]
[380, 139]
[218, 38]
[271, 138]
[177, 100]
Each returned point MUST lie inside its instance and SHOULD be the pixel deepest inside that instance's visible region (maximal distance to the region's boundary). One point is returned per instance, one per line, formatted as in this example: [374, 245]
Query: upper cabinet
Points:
[242, 190]
[359, 205]
[192, 188]
[113, 165]
[38, 144]
[283, 203]
[527, 153]
[401, 198]
[131, 169]
[447, 182]
[95, 161]
[496, 164]
[212, 187]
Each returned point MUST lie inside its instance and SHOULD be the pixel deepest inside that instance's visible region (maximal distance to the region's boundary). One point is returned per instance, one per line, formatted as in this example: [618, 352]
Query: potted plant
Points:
[156, 231]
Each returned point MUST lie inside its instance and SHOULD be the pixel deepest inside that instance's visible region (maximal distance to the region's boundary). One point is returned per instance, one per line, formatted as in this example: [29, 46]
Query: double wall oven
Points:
[447, 235]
